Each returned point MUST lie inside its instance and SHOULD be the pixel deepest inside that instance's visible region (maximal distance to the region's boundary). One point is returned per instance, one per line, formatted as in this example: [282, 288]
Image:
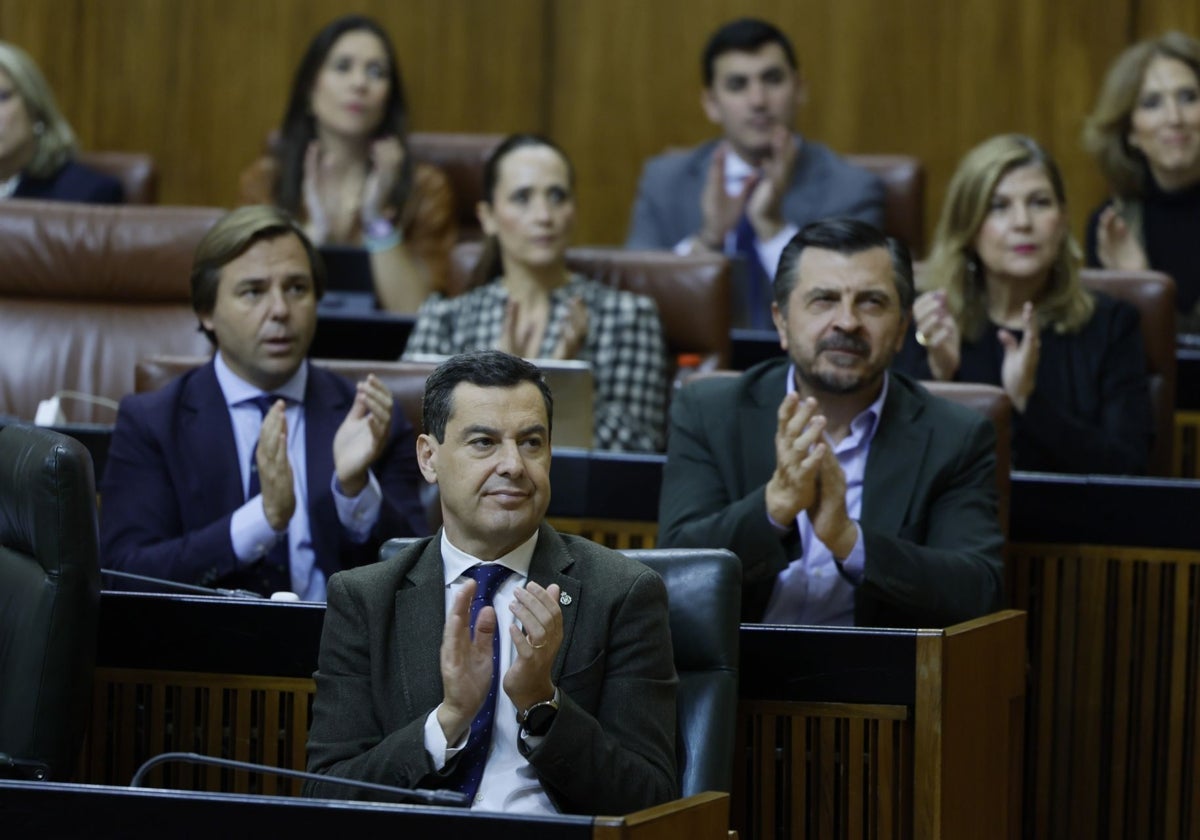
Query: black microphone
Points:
[177, 586]
[428, 797]
[36, 771]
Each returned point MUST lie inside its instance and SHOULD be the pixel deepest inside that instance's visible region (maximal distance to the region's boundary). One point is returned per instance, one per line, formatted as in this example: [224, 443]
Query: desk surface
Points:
[64, 810]
[1046, 507]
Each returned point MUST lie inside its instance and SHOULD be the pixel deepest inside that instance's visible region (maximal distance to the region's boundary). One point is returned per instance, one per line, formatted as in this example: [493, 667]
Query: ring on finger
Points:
[537, 647]
[922, 339]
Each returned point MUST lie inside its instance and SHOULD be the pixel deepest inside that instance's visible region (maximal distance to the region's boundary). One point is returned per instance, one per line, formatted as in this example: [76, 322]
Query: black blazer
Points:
[1090, 411]
[73, 182]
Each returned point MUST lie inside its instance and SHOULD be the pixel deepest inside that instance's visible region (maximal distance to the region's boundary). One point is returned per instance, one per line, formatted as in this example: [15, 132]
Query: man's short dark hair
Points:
[233, 235]
[742, 35]
[485, 369]
[845, 236]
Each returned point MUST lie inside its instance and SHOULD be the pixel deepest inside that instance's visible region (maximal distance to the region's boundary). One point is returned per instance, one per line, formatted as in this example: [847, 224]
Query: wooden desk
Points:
[843, 732]
[859, 732]
[62, 810]
[1108, 571]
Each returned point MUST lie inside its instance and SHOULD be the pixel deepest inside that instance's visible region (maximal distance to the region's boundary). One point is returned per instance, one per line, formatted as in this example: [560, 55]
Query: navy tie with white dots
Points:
[469, 771]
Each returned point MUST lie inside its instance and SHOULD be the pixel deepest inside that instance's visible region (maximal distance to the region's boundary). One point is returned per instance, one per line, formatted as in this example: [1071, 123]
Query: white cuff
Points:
[252, 536]
[358, 515]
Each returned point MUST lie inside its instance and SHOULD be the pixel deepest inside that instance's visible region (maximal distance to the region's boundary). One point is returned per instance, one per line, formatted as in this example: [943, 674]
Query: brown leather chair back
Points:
[461, 156]
[991, 401]
[135, 170]
[86, 291]
[405, 379]
[1152, 293]
[692, 293]
[904, 196]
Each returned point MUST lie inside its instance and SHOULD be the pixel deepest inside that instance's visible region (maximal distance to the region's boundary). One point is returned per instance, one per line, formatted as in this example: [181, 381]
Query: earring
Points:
[973, 267]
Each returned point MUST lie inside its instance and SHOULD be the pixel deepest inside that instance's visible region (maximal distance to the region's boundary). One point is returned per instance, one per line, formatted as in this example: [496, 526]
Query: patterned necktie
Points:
[758, 283]
[469, 771]
[276, 563]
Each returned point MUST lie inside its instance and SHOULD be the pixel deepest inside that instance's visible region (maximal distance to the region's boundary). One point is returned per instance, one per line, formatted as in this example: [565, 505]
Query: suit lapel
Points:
[899, 446]
[208, 446]
[420, 614]
[324, 409]
[760, 413]
[550, 564]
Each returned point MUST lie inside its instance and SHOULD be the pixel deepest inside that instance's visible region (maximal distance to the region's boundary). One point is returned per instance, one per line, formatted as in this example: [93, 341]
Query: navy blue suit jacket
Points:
[73, 182]
[173, 482]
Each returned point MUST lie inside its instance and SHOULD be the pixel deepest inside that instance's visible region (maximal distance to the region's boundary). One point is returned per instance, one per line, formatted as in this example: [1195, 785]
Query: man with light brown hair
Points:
[257, 470]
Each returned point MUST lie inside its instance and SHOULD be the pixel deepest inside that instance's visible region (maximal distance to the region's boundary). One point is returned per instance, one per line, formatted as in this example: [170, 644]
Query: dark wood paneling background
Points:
[198, 83]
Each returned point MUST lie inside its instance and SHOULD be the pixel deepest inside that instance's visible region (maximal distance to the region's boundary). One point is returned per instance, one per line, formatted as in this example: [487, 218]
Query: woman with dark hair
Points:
[37, 145]
[341, 166]
[1145, 134]
[1002, 303]
[524, 301]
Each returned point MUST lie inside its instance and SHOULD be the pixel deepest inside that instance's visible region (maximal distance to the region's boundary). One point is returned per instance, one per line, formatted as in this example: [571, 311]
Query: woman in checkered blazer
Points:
[523, 300]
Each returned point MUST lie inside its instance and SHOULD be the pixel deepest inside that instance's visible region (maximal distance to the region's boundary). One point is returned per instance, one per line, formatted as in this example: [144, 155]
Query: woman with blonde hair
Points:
[1002, 303]
[37, 145]
[341, 164]
[1145, 134]
[526, 302]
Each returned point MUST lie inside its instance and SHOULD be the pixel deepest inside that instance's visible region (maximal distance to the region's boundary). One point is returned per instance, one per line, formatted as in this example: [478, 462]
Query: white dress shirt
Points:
[249, 530]
[509, 782]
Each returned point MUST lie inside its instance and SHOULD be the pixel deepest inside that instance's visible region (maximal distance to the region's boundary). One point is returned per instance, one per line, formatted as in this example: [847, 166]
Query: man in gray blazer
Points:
[555, 691]
[749, 192]
[850, 494]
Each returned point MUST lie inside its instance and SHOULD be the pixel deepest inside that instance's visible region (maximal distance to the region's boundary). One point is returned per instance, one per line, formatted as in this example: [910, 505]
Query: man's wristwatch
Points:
[537, 719]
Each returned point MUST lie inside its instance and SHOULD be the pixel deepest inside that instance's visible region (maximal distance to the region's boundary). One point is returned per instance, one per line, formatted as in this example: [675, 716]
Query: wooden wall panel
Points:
[199, 83]
[923, 77]
[1155, 16]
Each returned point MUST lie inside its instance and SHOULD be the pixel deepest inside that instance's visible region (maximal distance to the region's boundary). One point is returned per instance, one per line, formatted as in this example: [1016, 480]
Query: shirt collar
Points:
[738, 170]
[866, 422]
[238, 390]
[455, 561]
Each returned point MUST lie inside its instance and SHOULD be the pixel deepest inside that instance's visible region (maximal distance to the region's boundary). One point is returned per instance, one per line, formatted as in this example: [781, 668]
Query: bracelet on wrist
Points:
[381, 235]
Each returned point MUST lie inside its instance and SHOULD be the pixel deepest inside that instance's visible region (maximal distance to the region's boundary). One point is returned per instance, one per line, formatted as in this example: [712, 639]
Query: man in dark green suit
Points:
[582, 702]
[851, 495]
